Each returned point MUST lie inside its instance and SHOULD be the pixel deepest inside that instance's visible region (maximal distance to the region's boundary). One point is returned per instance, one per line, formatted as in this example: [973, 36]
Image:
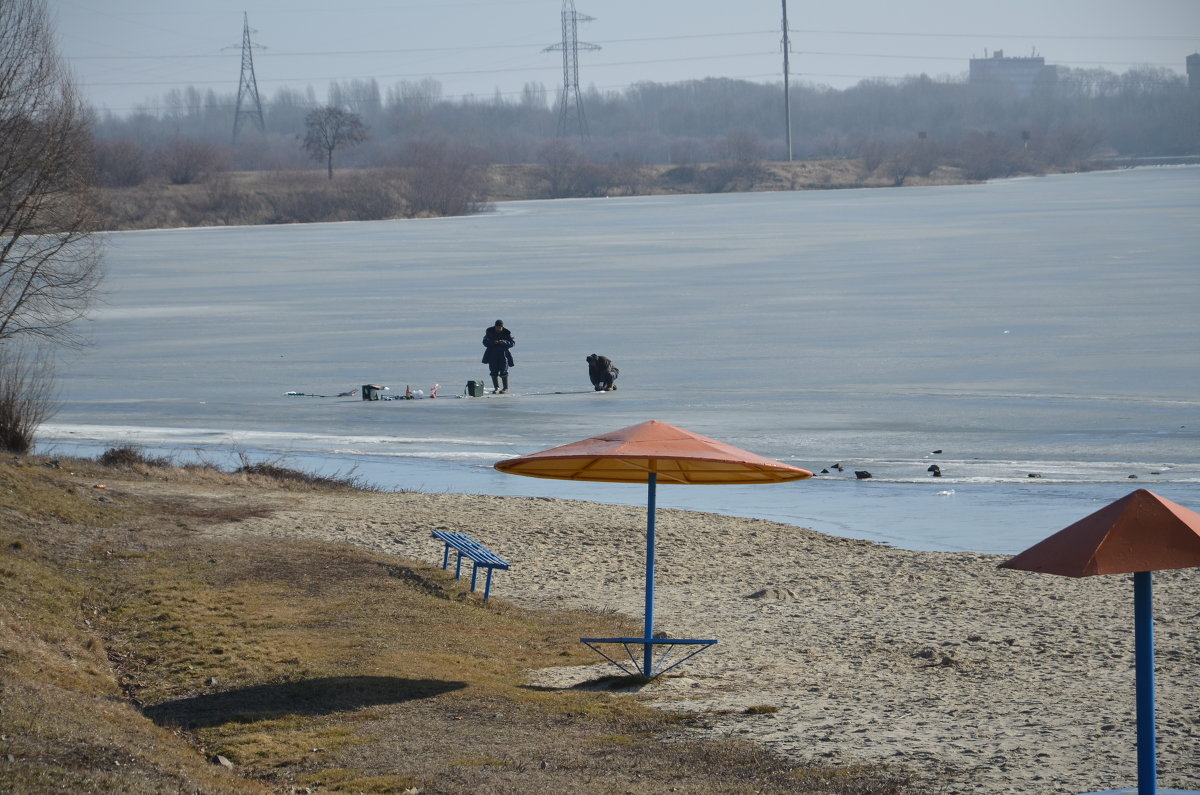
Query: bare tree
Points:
[329, 129]
[50, 259]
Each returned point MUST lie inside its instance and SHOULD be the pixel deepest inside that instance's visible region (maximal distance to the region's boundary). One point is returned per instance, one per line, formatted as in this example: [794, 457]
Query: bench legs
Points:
[474, 571]
[487, 585]
[487, 588]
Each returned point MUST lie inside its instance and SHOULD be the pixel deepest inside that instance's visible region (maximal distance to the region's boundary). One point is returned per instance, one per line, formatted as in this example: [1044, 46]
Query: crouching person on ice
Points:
[602, 372]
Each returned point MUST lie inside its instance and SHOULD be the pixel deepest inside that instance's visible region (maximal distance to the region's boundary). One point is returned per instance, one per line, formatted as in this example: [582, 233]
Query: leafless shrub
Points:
[729, 176]
[185, 162]
[281, 474]
[560, 160]
[743, 147]
[628, 174]
[681, 175]
[130, 457]
[987, 155]
[369, 197]
[26, 395]
[224, 201]
[873, 152]
[361, 197]
[1071, 145]
[685, 151]
[445, 179]
[119, 164]
[591, 179]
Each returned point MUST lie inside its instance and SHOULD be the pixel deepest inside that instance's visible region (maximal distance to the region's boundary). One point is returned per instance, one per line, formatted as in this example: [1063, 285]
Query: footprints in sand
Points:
[778, 594]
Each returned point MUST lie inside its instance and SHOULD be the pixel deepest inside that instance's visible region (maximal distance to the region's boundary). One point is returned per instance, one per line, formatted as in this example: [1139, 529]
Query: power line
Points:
[1072, 37]
[959, 58]
[412, 50]
[602, 65]
[428, 50]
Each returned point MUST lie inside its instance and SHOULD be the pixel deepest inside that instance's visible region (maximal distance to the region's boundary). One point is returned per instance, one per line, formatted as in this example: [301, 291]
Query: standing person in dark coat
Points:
[497, 342]
[602, 372]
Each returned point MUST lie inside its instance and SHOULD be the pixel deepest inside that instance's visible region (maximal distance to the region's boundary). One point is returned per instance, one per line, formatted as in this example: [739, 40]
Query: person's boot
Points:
[505, 385]
[495, 383]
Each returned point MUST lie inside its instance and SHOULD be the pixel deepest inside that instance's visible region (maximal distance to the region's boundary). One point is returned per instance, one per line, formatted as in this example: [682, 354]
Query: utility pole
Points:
[787, 94]
[248, 104]
[570, 108]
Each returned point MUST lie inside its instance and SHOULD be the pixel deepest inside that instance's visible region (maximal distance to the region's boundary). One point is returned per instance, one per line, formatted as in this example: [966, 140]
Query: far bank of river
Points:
[275, 197]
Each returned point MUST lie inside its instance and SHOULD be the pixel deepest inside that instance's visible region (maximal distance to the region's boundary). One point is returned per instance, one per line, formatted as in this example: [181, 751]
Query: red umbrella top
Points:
[1139, 532]
[630, 454]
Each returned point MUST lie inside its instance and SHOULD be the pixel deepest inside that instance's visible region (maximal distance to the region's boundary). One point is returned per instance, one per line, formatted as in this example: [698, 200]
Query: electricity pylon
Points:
[248, 104]
[570, 108]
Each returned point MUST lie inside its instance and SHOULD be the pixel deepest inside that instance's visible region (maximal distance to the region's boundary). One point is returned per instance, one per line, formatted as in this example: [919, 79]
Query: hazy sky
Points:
[124, 52]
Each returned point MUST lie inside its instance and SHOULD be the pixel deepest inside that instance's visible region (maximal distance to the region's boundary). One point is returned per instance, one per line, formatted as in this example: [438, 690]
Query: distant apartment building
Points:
[1193, 69]
[1022, 74]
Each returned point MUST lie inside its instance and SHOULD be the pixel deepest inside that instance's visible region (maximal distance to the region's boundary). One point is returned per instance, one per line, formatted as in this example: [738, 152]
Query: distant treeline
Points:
[914, 124]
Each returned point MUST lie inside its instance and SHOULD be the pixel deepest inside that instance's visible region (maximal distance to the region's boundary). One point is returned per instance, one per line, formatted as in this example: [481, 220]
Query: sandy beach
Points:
[979, 679]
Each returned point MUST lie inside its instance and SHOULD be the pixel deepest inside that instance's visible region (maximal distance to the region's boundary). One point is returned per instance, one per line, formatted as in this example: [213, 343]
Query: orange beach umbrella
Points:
[673, 454]
[650, 452]
[1139, 533]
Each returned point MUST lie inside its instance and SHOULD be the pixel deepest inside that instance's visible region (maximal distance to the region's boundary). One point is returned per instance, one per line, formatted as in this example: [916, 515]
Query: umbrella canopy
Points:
[644, 453]
[1139, 532]
[673, 454]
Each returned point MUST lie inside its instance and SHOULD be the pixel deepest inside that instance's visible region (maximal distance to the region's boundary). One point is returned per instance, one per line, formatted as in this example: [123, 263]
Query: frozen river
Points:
[1039, 326]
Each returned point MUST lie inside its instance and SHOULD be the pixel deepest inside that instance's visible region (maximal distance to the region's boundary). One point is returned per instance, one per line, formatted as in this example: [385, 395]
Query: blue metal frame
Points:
[649, 667]
[476, 552]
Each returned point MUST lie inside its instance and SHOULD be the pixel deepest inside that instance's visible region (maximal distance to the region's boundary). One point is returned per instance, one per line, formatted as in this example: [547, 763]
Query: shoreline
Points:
[931, 514]
[850, 651]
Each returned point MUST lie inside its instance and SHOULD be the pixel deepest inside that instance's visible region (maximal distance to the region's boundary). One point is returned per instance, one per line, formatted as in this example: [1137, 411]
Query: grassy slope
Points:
[138, 647]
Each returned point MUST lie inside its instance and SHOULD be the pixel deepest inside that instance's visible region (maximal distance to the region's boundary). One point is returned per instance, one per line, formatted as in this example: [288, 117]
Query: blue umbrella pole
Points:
[1143, 646]
[648, 648]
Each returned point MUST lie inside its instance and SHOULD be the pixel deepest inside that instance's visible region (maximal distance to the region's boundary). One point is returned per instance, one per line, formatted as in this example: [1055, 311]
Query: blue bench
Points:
[474, 551]
[645, 647]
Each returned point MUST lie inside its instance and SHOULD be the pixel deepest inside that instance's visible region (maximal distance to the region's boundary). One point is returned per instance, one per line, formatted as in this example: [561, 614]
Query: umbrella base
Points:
[1134, 790]
[636, 662]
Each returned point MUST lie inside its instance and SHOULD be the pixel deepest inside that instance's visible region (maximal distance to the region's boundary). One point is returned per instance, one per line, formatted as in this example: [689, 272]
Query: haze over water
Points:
[1038, 326]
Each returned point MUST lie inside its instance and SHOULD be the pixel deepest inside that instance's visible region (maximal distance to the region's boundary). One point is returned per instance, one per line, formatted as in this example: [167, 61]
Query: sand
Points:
[987, 680]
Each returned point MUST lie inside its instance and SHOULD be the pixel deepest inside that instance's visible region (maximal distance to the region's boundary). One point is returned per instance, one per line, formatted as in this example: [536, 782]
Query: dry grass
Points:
[306, 197]
[136, 647]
